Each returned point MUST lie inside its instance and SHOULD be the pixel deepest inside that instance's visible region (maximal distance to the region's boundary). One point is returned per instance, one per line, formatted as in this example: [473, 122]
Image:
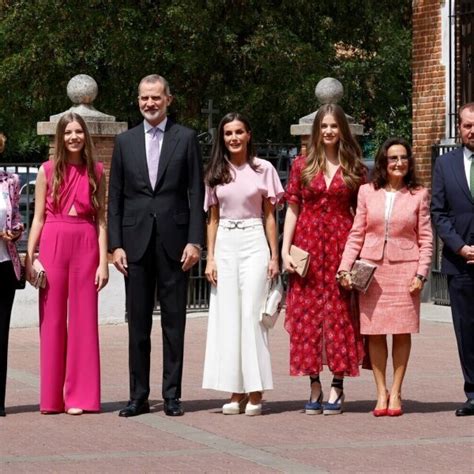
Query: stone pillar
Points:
[328, 91]
[82, 90]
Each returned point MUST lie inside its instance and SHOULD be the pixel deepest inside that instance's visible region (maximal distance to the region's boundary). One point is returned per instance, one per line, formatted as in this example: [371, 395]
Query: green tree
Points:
[263, 58]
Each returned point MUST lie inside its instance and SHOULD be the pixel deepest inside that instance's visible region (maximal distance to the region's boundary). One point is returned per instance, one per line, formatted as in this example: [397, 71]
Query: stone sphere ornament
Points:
[82, 89]
[329, 91]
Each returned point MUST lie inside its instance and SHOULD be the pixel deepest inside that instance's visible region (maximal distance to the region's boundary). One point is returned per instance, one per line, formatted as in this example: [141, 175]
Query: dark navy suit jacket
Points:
[176, 201]
[452, 210]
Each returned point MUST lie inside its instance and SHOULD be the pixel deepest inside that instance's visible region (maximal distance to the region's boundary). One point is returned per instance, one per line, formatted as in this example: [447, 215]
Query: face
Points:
[74, 137]
[397, 162]
[466, 128]
[153, 102]
[330, 132]
[236, 137]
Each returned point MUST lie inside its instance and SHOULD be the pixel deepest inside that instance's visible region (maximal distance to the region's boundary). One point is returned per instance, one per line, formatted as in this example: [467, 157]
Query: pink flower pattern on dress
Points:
[318, 311]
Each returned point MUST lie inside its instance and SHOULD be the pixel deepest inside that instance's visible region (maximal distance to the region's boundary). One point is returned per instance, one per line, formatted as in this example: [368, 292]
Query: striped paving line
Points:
[259, 456]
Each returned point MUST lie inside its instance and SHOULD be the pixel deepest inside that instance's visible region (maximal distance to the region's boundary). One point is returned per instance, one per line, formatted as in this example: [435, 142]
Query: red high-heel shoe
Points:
[395, 411]
[381, 411]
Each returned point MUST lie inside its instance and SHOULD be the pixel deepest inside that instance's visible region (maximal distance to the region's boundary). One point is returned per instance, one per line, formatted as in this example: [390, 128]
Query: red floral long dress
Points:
[322, 327]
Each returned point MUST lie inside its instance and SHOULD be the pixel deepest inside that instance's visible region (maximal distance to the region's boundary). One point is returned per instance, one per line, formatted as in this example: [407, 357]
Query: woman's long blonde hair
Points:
[60, 158]
[350, 154]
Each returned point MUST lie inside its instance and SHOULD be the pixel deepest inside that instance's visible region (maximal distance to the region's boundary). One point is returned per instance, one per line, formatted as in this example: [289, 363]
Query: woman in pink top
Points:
[242, 258]
[70, 227]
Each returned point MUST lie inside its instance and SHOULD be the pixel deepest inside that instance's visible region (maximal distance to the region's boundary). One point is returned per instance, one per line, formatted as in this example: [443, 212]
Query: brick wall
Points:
[429, 108]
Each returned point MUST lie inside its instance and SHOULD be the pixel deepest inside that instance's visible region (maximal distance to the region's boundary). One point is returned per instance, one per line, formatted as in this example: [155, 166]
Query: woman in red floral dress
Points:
[321, 196]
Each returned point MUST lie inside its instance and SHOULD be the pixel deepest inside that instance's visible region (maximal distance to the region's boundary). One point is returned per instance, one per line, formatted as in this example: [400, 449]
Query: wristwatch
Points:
[421, 277]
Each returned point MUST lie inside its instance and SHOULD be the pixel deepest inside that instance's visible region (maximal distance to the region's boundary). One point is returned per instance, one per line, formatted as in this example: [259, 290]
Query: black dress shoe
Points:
[172, 407]
[467, 409]
[2, 412]
[135, 408]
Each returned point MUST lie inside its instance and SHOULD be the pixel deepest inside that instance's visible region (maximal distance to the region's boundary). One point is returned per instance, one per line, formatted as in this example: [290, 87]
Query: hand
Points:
[11, 235]
[288, 263]
[29, 271]
[190, 256]
[273, 269]
[211, 272]
[101, 276]
[416, 286]
[467, 252]
[346, 281]
[119, 259]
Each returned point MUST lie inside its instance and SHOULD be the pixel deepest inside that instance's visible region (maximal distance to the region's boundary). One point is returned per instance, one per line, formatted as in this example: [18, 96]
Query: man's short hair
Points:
[469, 106]
[153, 79]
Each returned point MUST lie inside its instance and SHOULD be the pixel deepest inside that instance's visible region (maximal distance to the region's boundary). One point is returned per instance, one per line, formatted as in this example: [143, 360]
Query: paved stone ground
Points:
[428, 438]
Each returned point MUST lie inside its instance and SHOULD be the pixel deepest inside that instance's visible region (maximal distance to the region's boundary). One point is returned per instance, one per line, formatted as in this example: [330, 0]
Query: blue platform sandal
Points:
[335, 408]
[314, 407]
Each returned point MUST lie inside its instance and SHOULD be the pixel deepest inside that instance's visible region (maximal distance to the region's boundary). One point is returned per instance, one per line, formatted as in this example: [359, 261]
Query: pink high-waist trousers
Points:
[69, 339]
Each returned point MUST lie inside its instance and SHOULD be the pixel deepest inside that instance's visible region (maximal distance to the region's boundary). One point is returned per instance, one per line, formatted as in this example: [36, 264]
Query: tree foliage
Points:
[262, 58]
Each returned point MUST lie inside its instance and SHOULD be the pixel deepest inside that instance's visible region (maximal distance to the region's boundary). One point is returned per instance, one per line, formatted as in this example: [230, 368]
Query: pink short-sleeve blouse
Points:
[242, 198]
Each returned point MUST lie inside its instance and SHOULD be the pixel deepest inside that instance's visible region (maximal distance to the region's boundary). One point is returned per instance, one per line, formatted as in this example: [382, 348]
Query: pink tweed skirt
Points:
[388, 307]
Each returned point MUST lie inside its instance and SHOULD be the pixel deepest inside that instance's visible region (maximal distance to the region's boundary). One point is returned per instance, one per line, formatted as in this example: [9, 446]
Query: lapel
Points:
[170, 140]
[139, 151]
[457, 167]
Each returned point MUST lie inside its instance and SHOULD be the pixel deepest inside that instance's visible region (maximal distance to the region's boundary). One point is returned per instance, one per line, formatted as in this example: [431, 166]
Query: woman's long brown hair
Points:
[350, 154]
[60, 158]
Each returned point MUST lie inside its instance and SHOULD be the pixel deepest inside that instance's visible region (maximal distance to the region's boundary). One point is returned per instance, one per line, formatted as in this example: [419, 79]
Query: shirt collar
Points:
[467, 153]
[161, 125]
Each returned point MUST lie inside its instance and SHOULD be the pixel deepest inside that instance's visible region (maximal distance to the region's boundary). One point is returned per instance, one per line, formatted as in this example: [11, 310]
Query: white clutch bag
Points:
[273, 303]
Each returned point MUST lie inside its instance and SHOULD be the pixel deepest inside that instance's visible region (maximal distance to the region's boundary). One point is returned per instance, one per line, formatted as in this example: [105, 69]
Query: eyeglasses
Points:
[396, 159]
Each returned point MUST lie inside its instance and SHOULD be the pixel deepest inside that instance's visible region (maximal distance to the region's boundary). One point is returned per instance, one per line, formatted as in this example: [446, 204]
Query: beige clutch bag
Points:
[301, 259]
[362, 274]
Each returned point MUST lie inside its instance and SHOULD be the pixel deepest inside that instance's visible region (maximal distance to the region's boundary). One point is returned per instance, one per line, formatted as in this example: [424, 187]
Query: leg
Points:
[141, 288]
[223, 360]
[82, 381]
[54, 255]
[7, 294]
[172, 294]
[461, 291]
[400, 354]
[253, 283]
[378, 357]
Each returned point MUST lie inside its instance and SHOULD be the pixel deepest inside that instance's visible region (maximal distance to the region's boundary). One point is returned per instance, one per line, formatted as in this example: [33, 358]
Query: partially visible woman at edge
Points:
[321, 196]
[69, 225]
[10, 231]
[392, 229]
[242, 259]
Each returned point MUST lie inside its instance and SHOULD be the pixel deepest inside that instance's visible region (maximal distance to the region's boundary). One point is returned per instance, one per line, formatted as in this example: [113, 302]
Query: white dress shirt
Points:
[467, 165]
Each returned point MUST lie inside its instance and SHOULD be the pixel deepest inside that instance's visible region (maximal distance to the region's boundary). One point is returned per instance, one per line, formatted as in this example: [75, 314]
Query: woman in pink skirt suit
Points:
[391, 229]
[70, 227]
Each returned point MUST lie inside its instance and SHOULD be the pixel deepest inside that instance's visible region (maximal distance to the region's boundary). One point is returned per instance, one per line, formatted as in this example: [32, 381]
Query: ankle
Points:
[237, 397]
[255, 398]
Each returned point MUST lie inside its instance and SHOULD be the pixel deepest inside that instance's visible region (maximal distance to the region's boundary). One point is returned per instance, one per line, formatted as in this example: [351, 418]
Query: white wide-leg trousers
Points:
[237, 354]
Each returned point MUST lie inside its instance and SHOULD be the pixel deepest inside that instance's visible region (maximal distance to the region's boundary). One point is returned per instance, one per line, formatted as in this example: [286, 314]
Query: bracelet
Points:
[421, 278]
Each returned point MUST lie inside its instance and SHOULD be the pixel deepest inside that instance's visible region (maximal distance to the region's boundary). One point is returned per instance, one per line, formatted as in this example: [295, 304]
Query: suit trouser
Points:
[461, 293]
[7, 294]
[156, 274]
[69, 334]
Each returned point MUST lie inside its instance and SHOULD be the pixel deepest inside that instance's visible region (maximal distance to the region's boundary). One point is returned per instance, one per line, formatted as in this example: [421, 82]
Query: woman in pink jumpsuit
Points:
[70, 228]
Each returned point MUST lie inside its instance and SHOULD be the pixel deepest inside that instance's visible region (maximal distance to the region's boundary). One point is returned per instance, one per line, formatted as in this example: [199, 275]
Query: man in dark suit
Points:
[452, 209]
[156, 229]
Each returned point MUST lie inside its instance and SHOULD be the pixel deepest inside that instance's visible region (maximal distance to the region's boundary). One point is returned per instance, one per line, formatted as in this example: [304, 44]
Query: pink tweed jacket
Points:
[10, 188]
[409, 235]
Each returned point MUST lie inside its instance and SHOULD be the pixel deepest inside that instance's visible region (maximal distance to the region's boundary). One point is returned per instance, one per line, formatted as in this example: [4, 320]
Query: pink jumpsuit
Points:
[69, 338]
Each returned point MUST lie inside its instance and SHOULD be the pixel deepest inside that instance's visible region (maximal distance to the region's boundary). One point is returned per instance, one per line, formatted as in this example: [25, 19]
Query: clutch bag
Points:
[273, 304]
[301, 259]
[39, 278]
[362, 274]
